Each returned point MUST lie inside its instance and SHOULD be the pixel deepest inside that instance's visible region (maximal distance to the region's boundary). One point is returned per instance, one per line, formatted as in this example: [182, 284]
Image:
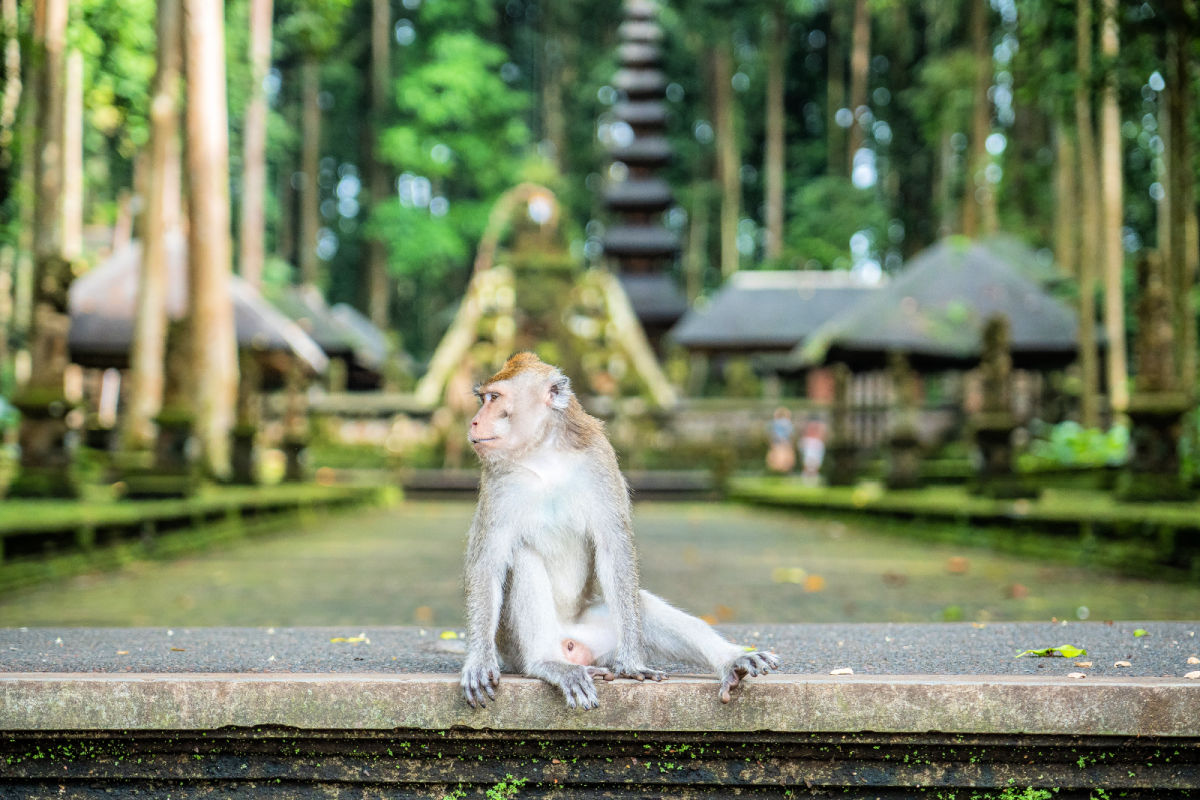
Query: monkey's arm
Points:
[485, 571]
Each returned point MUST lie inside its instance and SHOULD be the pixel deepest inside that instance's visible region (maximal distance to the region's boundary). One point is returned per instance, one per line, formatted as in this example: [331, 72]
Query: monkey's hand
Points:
[480, 678]
[624, 668]
[754, 663]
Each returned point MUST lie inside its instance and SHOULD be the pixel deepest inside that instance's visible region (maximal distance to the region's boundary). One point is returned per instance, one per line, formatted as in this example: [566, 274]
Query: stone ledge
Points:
[786, 703]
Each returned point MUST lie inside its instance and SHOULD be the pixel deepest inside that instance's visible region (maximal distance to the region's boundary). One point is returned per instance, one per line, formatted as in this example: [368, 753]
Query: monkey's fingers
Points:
[731, 681]
[601, 672]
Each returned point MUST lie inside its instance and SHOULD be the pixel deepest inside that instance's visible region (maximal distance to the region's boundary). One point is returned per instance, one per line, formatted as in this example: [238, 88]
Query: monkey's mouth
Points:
[483, 439]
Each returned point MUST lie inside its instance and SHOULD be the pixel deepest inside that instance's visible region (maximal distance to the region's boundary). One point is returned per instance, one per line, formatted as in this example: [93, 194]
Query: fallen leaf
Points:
[1191, 676]
[814, 584]
[122, 652]
[178, 649]
[449, 635]
[724, 613]
[979, 625]
[1076, 675]
[360, 639]
[1083, 664]
[788, 575]
[1122, 664]
[842, 671]
[1139, 633]
[1193, 660]
[1062, 651]
[709, 618]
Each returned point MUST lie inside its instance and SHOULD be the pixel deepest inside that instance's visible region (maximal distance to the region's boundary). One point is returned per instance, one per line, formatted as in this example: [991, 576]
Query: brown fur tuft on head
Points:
[518, 363]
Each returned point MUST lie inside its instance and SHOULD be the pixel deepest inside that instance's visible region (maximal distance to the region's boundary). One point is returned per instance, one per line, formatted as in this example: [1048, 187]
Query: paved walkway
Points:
[868, 649]
[402, 566]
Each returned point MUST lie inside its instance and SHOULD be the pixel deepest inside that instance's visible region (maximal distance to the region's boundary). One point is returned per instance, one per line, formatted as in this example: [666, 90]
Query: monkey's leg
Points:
[535, 633]
[673, 635]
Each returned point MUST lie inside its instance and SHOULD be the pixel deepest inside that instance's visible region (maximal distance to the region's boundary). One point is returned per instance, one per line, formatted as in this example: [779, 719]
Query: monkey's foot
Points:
[638, 672]
[758, 662]
[579, 687]
[479, 679]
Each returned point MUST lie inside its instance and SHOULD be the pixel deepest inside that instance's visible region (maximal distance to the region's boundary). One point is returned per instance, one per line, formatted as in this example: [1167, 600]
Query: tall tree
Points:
[835, 82]
[860, 71]
[252, 245]
[212, 335]
[979, 200]
[1089, 214]
[729, 164]
[1112, 215]
[45, 459]
[72, 207]
[161, 216]
[314, 27]
[775, 166]
[379, 283]
[1181, 197]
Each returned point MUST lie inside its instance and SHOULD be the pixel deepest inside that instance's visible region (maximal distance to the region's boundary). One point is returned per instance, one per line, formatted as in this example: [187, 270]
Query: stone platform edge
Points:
[791, 703]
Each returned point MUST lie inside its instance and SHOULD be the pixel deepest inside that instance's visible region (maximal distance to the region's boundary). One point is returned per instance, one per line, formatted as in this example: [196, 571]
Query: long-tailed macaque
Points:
[551, 547]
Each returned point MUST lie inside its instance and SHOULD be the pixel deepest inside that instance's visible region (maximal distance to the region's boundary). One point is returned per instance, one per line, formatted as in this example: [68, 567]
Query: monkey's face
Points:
[513, 417]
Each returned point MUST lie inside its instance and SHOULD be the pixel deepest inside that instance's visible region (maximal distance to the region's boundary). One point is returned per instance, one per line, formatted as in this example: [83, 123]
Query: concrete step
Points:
[298, 713]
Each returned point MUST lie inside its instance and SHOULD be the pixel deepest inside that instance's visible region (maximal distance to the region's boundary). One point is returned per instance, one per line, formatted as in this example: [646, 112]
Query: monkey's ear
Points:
[560, 392]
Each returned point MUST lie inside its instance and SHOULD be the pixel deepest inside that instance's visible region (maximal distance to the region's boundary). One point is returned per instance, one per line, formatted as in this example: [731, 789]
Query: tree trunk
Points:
[1089, 227]
[1066, 235]
[253, 227]
[161, 217]
[728, 156]
[212, 334]
[1181, 196]
[553, 79]
[775, 166]
[310, 158]
[378, 283]
[979, 202]
[1112, 190]
[860, 69]
[835, 96]
[10, 97]
[45, 466]
[72, 208]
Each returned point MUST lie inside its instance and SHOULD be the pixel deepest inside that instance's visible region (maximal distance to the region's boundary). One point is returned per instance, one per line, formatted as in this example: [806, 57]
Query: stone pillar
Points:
[47, 444]
[841, 456]
[903, 445]
[244, 436]
[295, 424]
[173, 473]
[1158, 405]
[993, 425]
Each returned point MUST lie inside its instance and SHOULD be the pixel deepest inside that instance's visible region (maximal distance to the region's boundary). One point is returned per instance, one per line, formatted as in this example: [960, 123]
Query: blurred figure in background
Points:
[812, 450]
[781, 457]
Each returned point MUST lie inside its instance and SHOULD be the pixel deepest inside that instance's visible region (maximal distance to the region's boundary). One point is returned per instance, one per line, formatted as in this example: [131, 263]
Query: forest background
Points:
[807, 134]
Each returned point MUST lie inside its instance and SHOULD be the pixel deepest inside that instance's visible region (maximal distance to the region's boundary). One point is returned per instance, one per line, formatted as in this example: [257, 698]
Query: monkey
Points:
[551, 546]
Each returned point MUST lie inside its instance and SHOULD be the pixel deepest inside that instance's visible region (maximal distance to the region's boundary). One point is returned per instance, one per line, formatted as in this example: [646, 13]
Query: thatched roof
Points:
[935, 311]
[338, 337]
[102, 304]
[768, 311]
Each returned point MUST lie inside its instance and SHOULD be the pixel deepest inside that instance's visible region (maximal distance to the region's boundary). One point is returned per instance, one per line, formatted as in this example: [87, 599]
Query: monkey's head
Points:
[519, 407]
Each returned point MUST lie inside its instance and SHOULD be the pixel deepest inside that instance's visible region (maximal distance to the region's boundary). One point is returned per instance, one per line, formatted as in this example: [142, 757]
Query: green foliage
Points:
[460, 142]
[117, 41]
[826, 212]
[312, 27]
[506, 789]
[1069, 444]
